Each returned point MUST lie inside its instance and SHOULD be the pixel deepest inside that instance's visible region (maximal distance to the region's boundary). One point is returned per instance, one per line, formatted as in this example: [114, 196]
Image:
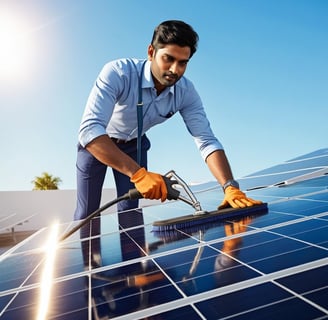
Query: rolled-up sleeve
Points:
[197, 123]
[100, 105]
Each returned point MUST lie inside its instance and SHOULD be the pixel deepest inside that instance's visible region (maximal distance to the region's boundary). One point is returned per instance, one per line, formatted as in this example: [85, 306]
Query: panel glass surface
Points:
[211, 271]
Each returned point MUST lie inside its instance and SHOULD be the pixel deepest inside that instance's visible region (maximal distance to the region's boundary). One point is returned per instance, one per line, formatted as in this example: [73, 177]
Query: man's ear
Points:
[151, 52]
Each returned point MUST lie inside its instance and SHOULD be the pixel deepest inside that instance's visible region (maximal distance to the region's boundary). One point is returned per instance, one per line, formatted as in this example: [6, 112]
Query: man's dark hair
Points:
[175, 32]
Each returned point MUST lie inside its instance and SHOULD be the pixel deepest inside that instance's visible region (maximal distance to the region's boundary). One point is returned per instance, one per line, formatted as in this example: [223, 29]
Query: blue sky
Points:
[261, 70]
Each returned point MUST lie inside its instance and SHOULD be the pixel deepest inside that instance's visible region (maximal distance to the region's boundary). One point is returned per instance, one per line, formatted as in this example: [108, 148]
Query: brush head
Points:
[191, 220]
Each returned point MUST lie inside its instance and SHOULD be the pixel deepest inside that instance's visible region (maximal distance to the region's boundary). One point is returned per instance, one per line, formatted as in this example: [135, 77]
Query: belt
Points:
[121, 141]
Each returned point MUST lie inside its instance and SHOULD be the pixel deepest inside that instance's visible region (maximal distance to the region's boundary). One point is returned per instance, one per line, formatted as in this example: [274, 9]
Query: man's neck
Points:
[158, 86]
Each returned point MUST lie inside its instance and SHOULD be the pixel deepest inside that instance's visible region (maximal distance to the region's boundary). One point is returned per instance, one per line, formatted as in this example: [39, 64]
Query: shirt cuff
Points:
[205, 152]
[86, 136]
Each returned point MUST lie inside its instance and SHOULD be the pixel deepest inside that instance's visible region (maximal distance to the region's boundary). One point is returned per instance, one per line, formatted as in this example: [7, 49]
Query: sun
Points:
[16, 46]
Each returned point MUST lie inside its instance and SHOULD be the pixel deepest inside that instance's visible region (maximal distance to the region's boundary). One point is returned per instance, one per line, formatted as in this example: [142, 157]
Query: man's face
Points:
[168, 64]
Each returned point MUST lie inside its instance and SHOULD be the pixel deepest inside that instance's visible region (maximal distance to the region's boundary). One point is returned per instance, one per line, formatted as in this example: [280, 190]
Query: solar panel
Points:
[263, 266]
[11, 221]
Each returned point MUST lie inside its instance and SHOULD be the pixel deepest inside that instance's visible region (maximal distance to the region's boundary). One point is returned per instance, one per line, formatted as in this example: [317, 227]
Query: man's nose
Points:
[174, 68]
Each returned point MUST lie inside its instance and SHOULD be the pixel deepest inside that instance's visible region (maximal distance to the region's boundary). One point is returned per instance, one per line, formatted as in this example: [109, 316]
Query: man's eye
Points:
[168, 59]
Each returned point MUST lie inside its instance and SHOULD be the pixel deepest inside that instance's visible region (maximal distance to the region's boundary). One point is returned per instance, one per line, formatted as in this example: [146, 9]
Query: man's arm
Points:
[219, 166]
[105, 150]
[150, 185]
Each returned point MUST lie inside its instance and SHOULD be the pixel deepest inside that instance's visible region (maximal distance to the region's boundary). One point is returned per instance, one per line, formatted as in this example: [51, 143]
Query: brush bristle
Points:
[190, 221]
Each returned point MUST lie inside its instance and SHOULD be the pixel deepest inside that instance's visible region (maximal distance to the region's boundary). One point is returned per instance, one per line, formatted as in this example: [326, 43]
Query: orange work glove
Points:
[150, 185]
[235, 198]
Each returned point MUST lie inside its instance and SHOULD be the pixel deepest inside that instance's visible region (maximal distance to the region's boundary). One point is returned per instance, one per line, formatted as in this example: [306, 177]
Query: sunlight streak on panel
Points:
[47, 275]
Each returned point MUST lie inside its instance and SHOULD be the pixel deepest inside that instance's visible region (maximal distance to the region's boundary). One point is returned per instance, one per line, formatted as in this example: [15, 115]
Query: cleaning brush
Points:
[207, 217]
[200, 217]
[183, 230]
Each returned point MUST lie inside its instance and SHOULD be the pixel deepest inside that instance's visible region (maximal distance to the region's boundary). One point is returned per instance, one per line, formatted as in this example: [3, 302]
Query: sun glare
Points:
[16, 46]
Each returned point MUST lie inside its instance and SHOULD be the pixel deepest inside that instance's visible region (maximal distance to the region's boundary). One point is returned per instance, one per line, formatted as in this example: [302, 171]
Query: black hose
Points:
[132, 194]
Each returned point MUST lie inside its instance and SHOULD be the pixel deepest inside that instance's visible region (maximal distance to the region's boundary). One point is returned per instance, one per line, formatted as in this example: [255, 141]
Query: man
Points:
[109, 127]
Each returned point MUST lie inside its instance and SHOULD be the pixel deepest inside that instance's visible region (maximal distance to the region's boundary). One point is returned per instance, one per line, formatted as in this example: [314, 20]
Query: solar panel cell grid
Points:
[265, 266]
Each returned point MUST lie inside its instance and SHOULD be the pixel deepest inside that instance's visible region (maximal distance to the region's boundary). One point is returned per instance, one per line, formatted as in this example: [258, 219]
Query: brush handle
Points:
[172, 193]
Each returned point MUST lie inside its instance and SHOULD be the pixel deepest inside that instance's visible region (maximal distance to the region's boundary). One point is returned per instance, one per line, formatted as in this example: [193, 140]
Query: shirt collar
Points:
[147, 79]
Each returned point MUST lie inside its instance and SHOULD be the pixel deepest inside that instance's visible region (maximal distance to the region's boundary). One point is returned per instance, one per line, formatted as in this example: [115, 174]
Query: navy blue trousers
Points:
[90, 179]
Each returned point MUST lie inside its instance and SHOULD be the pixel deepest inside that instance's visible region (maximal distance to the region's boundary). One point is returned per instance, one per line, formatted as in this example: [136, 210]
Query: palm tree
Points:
[46, 182]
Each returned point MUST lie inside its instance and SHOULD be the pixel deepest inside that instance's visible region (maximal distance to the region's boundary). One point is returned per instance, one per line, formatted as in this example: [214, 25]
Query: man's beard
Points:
[169, 79]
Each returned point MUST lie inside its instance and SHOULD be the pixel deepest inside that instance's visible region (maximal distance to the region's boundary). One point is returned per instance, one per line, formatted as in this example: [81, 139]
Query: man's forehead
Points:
[175, 51]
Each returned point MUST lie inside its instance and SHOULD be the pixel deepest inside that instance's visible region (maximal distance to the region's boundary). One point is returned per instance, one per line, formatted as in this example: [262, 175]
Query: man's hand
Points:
[150, 185]
[235, 198]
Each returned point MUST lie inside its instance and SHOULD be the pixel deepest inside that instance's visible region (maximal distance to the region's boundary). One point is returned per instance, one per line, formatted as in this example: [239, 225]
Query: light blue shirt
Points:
[112, 106]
